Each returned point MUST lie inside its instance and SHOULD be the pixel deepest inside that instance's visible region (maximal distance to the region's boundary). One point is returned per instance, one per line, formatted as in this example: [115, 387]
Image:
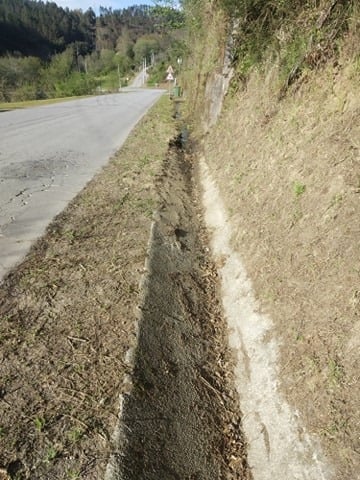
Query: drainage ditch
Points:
[180, 418]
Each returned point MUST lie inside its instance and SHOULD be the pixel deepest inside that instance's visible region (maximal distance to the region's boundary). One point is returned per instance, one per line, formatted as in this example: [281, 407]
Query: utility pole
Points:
[144, 71]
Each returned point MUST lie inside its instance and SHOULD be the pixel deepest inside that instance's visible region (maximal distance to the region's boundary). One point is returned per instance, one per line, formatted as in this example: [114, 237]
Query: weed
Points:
[270, 296]
[238, 177]
[73, 474]
[296, 216]
[146, 206]
[145, 160]
[75, 435]
[70, 235]
[39, 423]
[335, 372]
[118, 205]
[334, 428]
[336, 199]
[313, 363]
[78, 367]
[51, 454]
[299, 188]
[293, 55]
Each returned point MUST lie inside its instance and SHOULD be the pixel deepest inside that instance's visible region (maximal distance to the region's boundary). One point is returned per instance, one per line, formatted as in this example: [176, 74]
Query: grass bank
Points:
[284, 151]
[5, 106]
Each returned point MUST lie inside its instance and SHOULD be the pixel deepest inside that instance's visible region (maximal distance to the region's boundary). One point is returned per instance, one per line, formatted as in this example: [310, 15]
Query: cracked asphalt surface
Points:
[47, 155]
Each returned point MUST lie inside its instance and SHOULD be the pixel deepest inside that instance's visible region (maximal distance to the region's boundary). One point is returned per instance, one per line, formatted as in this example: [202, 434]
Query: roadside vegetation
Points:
[67, 317]
[283, 146]
[285, 153]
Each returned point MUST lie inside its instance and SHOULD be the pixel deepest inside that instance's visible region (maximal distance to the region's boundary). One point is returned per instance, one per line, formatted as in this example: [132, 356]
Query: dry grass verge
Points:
[4, 106]
[66, 318]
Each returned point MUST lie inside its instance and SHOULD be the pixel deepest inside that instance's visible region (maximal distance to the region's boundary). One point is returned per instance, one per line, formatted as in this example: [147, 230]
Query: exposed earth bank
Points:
[283, 148]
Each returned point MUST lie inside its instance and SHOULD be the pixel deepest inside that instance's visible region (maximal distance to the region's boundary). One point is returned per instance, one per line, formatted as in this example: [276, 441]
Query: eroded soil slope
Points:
[289, 173]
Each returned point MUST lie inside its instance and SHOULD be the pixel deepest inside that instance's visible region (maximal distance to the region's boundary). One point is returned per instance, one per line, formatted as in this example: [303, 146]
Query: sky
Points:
[94, 4]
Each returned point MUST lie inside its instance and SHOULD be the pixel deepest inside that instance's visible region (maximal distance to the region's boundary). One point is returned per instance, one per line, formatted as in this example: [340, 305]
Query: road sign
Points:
[170, 76]
[170, 69]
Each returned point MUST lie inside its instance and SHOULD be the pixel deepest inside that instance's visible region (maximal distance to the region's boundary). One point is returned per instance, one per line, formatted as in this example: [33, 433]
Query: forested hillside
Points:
[48, 51]
[41, 29]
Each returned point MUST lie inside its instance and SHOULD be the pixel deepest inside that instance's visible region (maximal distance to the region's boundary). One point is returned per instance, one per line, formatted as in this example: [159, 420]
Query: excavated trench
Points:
[180, 418]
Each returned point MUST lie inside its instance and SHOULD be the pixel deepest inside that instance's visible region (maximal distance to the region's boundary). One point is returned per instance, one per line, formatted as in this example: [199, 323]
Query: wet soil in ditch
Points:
[180, 419]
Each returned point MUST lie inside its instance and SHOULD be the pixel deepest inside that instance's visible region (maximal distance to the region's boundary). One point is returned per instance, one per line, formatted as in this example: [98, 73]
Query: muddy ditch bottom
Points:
[179, 418]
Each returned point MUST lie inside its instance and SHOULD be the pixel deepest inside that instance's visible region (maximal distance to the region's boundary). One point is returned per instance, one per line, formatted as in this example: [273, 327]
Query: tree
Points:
[145, 47]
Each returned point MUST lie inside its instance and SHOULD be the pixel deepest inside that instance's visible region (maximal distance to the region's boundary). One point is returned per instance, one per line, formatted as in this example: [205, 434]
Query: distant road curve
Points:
[48, 154]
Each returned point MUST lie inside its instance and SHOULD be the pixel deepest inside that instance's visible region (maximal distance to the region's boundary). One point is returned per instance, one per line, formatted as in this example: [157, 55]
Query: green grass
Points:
[36, 103]
[299, 189]
[51, 454]
[39, 423]
[335, 372]
[75, 435]
[73, 474]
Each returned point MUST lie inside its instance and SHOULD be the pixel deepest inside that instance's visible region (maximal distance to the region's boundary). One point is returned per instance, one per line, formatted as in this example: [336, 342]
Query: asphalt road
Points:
[49, 153]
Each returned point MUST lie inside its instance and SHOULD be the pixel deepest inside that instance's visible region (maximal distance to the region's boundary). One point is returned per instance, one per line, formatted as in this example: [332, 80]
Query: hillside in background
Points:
[41, 29]
[48, 51]
[274, 104]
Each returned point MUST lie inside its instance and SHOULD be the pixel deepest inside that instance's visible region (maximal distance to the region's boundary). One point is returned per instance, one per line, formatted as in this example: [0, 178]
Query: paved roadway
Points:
[47, 155]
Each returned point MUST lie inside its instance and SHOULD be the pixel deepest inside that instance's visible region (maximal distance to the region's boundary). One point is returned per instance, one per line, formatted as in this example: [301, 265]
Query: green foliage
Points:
[123, 39]
[299, 188]
[107, 61]
[76, 84]
[50, 454]
[145, 47]
[39, 28]
[297, 32]
[168, 16]
[73, 474]
[157, 74]
[75, 435]
[39, 423]
[19, 74]
[61, 65]
[293, 56]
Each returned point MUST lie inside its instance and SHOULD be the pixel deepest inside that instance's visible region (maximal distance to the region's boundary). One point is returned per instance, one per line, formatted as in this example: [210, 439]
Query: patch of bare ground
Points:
[289, 174]
[69, 317]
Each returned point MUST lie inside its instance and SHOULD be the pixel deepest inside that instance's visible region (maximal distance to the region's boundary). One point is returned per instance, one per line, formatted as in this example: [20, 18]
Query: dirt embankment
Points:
[289, 174]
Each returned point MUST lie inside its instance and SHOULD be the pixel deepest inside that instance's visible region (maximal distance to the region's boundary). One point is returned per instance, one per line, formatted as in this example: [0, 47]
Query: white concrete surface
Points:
[48, 154]
[279, 446]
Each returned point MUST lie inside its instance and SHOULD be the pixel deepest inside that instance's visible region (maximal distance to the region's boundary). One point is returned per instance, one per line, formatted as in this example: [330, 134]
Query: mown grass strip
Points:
[67, 317]
[36, 103]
